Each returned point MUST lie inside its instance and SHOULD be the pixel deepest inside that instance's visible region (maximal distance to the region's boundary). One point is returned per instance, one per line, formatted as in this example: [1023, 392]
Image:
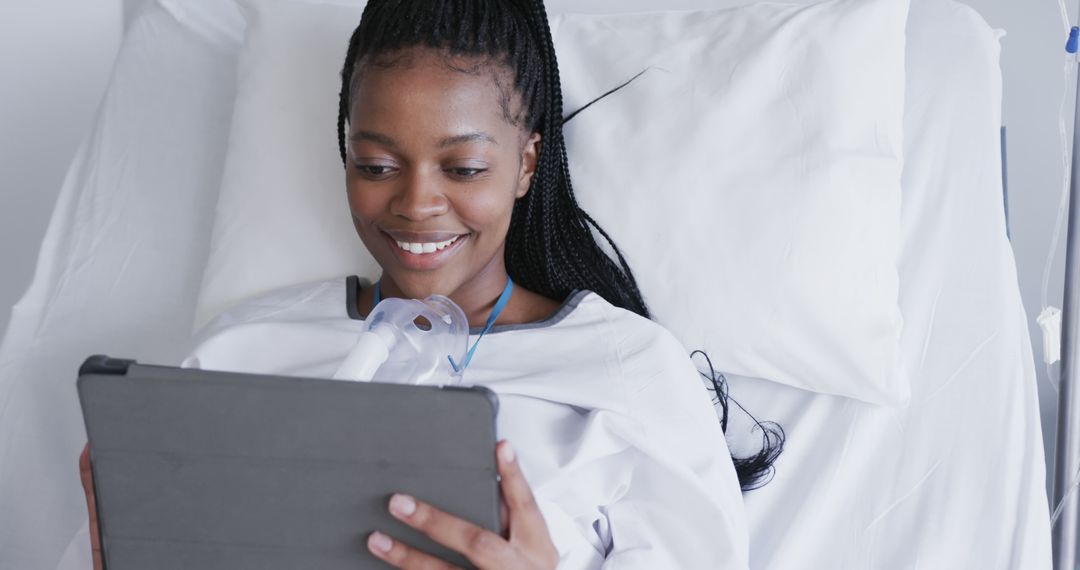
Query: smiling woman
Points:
[450, 131]
[432, 192]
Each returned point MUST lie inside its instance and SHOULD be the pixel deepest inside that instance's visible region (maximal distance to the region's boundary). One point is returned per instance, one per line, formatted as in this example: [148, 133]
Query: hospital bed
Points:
[954, 479]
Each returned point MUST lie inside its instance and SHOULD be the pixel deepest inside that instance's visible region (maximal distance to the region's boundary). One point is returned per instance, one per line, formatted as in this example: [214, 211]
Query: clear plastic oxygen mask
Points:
[409, 341]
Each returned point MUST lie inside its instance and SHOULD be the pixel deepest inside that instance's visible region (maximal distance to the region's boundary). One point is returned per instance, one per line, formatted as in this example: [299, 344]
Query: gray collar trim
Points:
[353, 286]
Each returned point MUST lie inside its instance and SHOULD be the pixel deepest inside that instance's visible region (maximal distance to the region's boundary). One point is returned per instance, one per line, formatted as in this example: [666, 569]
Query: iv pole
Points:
[1067, 456]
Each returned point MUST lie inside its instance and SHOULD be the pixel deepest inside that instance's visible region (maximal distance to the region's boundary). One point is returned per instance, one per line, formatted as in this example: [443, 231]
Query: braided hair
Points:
[552, 245]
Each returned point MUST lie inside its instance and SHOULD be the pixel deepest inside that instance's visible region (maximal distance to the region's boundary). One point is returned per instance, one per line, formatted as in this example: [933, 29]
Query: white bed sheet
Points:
[956, 480]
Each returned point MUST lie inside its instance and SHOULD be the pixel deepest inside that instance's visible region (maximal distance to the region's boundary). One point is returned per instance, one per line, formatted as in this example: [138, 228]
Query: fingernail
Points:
[506, 452]
[402, 505]
[380, 542]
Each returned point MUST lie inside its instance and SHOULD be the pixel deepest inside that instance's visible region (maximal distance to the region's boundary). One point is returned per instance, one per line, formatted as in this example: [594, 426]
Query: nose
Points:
[420, 197]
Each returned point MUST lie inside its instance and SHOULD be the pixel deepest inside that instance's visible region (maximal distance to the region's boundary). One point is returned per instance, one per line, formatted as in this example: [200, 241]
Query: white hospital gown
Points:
[612, 424]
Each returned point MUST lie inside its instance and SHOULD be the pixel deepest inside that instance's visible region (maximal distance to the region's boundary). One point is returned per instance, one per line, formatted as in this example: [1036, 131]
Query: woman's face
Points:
[433, 170]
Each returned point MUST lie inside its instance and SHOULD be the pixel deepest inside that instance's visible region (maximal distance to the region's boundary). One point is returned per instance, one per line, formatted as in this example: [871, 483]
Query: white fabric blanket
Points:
[613, 426]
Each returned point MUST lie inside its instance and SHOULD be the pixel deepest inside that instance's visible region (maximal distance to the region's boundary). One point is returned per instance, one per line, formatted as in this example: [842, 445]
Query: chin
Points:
[421, 286]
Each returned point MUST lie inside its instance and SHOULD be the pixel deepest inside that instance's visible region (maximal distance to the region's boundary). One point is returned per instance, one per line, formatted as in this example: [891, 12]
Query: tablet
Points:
[208, 470]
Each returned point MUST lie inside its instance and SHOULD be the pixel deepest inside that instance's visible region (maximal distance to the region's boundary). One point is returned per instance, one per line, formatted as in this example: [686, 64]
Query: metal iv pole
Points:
[1067, 456]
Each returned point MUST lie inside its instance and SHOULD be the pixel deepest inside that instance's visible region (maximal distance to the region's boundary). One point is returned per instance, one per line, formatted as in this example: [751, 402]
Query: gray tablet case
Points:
[208, 470]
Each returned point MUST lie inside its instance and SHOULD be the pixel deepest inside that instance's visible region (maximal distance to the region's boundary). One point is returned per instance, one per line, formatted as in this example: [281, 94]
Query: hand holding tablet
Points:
[207, 469]
[524, 543]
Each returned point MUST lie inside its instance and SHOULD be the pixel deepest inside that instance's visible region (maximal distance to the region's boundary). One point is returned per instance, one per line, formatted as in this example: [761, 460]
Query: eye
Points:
[466, 173]
[375, 171]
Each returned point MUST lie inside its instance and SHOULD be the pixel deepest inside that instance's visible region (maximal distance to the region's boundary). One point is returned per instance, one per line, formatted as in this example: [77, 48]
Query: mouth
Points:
[421, 248]
[420, 251]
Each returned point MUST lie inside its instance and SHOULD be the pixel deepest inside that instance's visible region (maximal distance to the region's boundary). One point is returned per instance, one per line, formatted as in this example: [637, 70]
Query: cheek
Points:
[486, 212]
[364, 204]
[364, 208]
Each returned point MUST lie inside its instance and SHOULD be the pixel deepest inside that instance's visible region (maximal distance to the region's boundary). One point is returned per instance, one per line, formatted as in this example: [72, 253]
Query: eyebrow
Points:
[446, 142]
[373, 137]
[467, 138]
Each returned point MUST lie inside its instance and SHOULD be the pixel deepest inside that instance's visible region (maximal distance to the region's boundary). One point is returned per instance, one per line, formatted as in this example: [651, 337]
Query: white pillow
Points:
[751, 175]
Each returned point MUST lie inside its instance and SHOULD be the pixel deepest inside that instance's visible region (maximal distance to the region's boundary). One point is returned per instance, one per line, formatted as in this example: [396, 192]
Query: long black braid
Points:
[552, 245]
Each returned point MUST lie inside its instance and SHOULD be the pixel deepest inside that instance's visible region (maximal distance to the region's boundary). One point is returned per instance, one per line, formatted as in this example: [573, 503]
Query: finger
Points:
[504, 519]
[526, 522]
[86, 475]
[84, 459]
[481, 546]
[401, 555]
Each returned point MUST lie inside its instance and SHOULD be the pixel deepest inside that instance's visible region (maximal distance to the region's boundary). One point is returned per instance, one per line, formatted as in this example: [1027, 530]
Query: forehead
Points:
[423, 85]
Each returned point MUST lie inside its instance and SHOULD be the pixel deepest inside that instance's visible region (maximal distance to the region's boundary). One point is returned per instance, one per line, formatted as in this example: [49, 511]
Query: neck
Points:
[476, 297]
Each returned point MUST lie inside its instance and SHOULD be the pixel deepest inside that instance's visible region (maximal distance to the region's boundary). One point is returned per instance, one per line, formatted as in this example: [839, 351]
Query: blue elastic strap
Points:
[504, 298]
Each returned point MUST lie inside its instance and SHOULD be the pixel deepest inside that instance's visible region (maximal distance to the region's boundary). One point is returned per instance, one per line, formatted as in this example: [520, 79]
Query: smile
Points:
[424, 251]
[420, 248]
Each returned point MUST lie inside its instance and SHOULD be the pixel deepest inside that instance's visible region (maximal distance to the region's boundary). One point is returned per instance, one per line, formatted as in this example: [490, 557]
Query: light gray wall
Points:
[131, 7]
[55, 60]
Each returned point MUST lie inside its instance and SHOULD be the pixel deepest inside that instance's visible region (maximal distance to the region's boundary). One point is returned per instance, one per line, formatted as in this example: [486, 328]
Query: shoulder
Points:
[587, 333]
[642, 349]
[306, 301]
[655, 367]
[289, 330]
[635, 336]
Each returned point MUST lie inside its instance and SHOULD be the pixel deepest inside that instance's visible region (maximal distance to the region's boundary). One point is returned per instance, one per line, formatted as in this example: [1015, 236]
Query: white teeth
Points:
[426, 247]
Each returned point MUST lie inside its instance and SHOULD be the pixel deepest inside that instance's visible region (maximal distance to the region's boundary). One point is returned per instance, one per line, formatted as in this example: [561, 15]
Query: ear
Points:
[529, 157]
